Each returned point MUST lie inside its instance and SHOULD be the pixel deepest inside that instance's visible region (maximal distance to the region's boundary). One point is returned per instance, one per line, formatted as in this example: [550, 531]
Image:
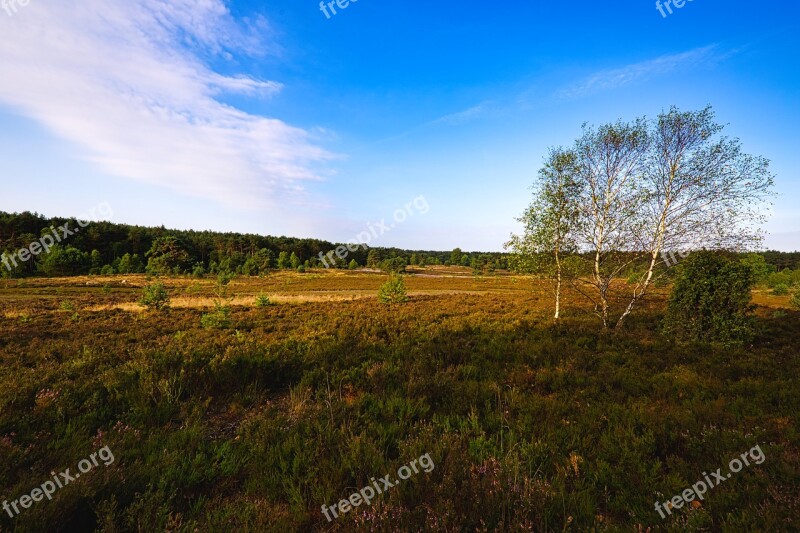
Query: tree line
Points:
[110, 248]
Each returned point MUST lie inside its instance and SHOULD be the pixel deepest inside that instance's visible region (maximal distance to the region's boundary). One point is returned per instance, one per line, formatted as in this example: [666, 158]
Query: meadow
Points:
[531, 426]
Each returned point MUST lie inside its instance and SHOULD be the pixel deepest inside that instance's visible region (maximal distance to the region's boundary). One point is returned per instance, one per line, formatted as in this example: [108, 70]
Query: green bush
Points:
[758, 264]
[393, 291]
[262, 300]
[60, 261]
[219, 318]
[710, 300]
[779, 278]
[155, 297]
[781, 289]
[795, 301]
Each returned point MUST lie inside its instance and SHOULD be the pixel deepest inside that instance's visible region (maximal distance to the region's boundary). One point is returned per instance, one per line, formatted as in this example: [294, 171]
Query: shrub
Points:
[395, 265]
[710, 300]
[781, 289]
[262, 300]
[758, 264]
[60, 261]
[779, 278]
[219, 318]
[199, 271]
[393, 291]
[795, 301]
[154, 297]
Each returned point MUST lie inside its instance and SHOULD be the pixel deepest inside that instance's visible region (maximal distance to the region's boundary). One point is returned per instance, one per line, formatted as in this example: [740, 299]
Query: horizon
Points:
[279, 120]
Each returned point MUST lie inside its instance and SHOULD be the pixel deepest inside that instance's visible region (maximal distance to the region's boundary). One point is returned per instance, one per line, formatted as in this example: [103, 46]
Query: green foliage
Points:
[96, 259]
[393, 291]
[167, 255]
[199, 271]
[373, 259]
[758, 265]
[130, 264]
[155, 297]
[107, 270]
[353, 264]
[262, 300]
[710, 300]
[294, 261]
[219, 318]
[283, 260]
[781, 289]
[785, 277]
[795, 301]
[60, 261]
[258, 264]
[395, 265]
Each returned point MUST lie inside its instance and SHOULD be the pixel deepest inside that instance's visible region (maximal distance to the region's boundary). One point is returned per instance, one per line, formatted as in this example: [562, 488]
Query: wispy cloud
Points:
[130, 83]
[481, 110]
[615, 78]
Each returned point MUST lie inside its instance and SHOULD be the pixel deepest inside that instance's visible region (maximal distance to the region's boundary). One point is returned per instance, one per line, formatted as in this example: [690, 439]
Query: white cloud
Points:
[129, 83]
[619, 77]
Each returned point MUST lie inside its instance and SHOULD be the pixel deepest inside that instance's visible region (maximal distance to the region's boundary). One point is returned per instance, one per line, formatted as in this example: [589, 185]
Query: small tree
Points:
[710, 300]
[262, 300]
[155, 297]
[60, 261]
[373, 259]
[167, 255]
[758, 264]
[96, 260]
[550, 222]
[220, 317]
[294, 261]
[393, 291]
[353, 264]
[283, 260]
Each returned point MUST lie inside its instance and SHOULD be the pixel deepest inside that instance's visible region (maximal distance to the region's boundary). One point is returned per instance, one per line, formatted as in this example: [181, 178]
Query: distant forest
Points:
[108, 248]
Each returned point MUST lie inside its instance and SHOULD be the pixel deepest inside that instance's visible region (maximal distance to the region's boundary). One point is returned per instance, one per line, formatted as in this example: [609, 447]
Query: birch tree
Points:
[701, 191]
[629, 194]
[549, 222]
[610, 163]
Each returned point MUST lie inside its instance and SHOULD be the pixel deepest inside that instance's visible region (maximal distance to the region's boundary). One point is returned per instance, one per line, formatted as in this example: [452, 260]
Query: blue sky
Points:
[269, 117]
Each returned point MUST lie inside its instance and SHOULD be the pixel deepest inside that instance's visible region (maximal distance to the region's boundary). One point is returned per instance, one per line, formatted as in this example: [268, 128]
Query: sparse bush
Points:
[262, 300]
[219, 318]
[393, 291]
[781, 289]
[710, 300]
[155, 297]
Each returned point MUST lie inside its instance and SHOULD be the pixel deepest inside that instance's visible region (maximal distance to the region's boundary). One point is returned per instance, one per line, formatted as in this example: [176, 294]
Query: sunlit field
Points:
[298, 404]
